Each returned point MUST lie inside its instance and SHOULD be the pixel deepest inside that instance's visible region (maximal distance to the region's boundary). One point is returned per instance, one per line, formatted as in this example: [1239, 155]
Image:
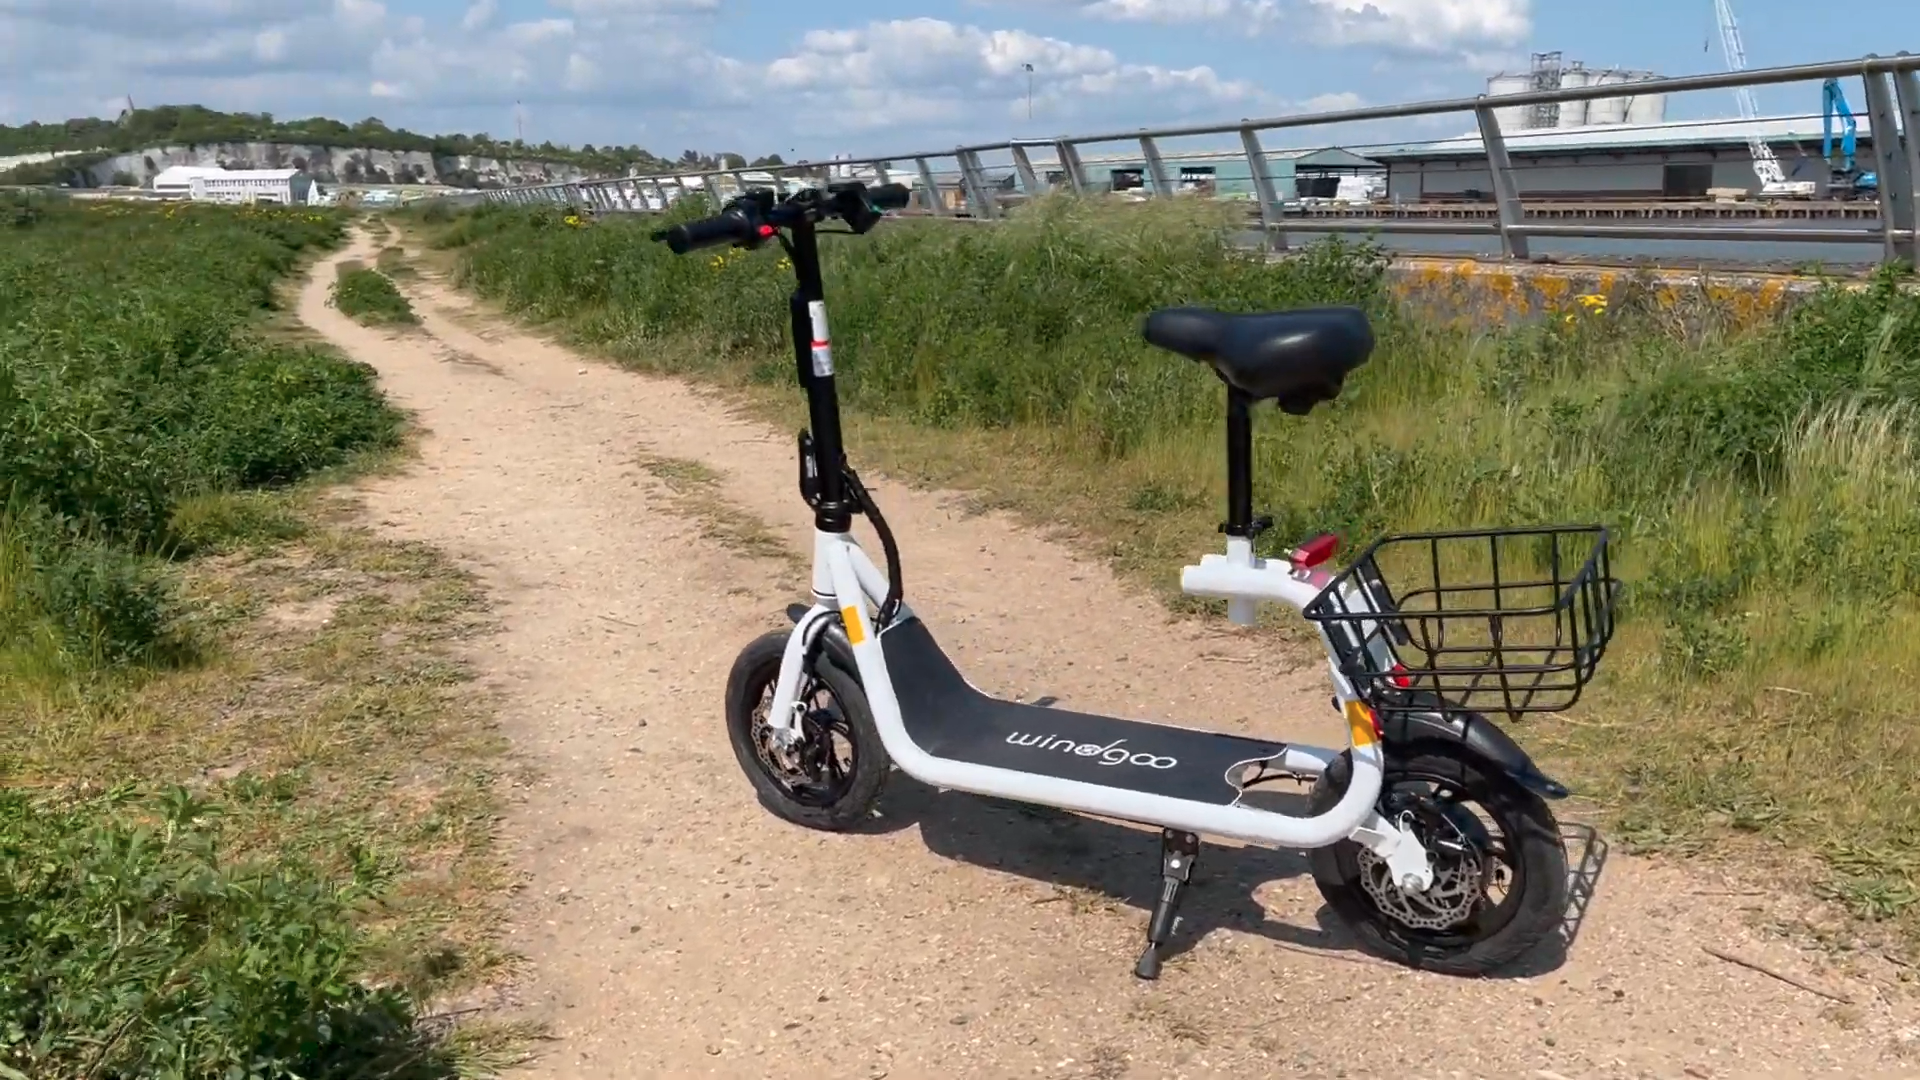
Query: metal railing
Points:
[970, 190]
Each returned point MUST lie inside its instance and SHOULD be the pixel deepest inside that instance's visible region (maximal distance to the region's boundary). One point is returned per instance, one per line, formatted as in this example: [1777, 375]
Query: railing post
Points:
[740, 178]
[1070, 164]
[935, 204]
[1029, 182]
[1156, 168]
[1271, 239]
[660, 192]
[711, 182]
[1906, 99]
[974, 181]
[1506, 193]
[1890, 162]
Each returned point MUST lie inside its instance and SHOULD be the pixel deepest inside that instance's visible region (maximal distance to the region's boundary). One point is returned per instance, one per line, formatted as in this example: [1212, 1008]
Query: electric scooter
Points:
[1425, 633]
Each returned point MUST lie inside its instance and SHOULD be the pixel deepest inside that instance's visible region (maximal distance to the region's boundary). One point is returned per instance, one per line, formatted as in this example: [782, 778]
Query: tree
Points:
[771, 160]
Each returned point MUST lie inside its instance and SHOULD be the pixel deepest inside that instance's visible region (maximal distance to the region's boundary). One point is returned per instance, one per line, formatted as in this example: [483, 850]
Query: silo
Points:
[1513, 117]
[1647, 108]
[1574, 113]
[1612, 110]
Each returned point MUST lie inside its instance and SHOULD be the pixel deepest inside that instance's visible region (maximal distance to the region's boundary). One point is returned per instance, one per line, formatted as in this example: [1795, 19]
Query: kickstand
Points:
[1178, 850]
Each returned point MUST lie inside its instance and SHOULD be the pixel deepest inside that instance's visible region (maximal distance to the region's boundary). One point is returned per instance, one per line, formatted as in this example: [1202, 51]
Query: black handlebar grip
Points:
[890, 196]
[727, 227]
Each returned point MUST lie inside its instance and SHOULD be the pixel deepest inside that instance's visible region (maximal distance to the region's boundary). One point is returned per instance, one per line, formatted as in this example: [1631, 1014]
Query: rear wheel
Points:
[1500, 869]
[830, 778]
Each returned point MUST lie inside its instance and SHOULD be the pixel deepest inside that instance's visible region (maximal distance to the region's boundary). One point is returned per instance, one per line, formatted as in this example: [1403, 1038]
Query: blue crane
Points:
[1834, 103]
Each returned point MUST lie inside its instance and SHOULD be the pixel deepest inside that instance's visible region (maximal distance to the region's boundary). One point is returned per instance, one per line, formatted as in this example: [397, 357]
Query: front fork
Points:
[783, 718]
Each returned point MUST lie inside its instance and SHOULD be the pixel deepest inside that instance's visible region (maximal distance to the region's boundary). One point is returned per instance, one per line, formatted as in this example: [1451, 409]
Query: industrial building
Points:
[176, 181]
[287, 187]
[1672, 160]
[1295, 174]
[1549, 71]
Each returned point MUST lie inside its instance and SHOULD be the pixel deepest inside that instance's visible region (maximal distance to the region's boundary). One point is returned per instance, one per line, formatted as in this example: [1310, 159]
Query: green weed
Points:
[222, 776]
[370, 297]
[133, 376]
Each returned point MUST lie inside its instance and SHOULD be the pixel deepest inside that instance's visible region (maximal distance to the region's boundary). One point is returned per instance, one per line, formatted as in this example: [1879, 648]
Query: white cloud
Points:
[1245, 14]
[607, 71]
[479, 16]
[270, 45]
[952, 81]
[1426, 26]
[1435, 27]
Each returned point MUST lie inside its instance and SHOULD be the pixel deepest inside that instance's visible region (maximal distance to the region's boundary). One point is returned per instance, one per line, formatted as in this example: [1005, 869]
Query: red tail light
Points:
[1315, 551]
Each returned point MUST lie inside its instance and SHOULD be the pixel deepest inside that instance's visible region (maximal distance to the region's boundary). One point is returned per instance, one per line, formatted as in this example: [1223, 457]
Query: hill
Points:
[93, 151]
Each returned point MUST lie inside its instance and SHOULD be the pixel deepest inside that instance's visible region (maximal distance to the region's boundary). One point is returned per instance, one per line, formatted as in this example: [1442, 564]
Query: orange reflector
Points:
[856, 630]
[1362, 725]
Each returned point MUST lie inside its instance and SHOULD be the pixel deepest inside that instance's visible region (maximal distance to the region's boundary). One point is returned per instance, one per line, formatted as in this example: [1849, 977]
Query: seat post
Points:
[1239, 464]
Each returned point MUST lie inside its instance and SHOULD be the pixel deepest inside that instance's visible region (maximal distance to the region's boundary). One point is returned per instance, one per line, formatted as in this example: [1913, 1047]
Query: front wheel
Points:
[829, 779]
[1500, 868]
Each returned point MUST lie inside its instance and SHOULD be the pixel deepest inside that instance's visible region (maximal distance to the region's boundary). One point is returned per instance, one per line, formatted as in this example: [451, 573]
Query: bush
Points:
[131, 378]
[132, 947]
[370, 297]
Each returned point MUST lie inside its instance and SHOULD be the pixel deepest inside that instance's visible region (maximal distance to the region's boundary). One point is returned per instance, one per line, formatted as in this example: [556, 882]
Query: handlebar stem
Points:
[813, 363]
[750, 220]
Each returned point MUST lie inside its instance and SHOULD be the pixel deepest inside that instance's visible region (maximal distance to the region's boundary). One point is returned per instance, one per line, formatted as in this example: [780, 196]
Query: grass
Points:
[1754, 453]
[370, 297]
[695, 493]
[247, 814]
[393, 262]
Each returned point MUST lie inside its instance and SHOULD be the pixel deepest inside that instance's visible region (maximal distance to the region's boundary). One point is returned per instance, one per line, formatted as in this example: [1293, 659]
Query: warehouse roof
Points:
[1613, 137]
[250, 174]
[182, 174]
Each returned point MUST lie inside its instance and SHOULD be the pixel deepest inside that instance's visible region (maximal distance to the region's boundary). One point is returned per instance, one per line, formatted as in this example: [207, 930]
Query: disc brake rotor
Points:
[808, 759]
[1459, 874]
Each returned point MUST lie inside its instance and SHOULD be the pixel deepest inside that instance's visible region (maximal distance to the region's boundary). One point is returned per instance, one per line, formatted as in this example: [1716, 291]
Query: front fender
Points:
[1481, 737]
[832, 640]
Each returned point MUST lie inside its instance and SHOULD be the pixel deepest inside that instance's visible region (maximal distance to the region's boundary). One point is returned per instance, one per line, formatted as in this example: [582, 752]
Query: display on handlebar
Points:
[755, 216]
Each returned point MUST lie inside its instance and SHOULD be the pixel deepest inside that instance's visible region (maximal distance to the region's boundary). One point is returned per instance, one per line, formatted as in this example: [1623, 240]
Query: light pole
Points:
[1029, 68]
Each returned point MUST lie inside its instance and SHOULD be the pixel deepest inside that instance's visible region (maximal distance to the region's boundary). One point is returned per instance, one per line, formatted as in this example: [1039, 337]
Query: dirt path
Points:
[674, 928]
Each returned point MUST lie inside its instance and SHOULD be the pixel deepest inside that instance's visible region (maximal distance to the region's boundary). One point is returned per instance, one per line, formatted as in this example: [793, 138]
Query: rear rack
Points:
[1485, 621]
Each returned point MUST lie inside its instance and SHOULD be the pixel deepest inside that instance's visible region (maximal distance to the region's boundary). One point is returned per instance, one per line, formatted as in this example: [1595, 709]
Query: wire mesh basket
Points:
[1488, 621]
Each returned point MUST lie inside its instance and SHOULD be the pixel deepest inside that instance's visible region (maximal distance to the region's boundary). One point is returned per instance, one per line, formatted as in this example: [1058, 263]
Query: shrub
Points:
[133, 946]
[131, 377]
[371, 297]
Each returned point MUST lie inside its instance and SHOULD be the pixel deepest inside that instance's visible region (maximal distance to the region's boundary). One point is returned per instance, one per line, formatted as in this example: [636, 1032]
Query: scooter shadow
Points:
[1089, 859]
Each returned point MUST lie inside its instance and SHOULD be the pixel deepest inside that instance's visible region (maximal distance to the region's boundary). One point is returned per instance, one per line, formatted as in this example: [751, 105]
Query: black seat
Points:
[1296, 358]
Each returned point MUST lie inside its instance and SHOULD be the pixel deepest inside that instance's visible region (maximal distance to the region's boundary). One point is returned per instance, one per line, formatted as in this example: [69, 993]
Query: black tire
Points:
[1494, 936]
[848, 799]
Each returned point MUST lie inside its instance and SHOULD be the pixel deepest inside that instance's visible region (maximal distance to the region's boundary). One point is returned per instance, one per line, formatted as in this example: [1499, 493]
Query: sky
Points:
[811, 79]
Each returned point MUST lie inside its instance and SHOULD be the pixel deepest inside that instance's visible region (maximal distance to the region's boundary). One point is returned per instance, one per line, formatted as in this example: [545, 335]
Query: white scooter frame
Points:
[848, 588]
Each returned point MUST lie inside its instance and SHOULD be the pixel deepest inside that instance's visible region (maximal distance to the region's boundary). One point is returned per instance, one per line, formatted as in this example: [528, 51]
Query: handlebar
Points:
[749, 219]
